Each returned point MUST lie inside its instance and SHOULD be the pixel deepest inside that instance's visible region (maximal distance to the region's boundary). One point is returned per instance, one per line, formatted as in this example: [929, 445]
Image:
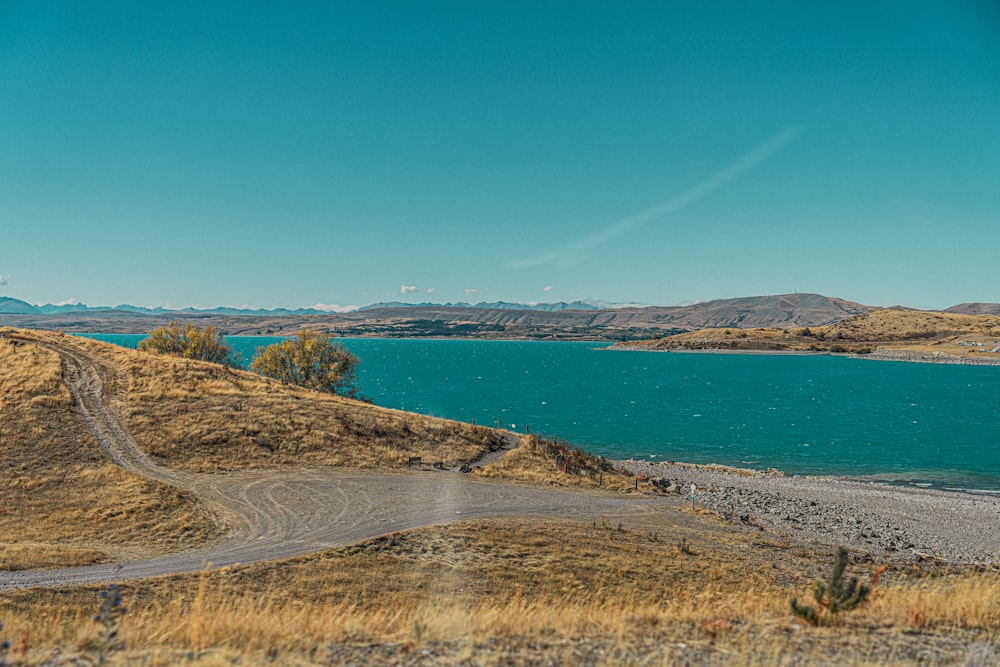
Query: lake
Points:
[924, 424]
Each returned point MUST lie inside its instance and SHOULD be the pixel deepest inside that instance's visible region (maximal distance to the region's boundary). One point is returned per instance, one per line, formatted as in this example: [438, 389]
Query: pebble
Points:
[892, 522]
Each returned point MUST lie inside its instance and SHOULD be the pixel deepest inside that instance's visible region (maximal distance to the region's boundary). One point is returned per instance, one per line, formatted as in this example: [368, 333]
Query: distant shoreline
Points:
[921, 358]
[886, 355]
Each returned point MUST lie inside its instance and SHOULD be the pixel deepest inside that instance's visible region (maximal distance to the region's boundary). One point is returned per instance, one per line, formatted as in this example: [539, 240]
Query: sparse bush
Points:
[189, 343]
[310, 360]
[108, 615]
[4, 648]
[833, 594]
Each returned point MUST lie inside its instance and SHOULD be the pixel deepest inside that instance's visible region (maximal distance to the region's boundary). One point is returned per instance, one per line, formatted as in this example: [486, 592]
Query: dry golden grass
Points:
[201, 417]
[484, 590]
[530, 463]
[61, 502]
[910, 325]
[517, 591]
[888, 329]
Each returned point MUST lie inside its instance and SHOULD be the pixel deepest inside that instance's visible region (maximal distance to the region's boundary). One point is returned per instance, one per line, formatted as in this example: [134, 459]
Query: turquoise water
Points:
[910, 423]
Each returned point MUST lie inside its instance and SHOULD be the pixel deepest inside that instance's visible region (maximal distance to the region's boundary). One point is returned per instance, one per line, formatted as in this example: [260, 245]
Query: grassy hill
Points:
[65, 503]
[948, 335]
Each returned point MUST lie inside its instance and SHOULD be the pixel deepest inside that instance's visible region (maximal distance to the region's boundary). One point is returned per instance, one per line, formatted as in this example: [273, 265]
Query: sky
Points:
[290, 154]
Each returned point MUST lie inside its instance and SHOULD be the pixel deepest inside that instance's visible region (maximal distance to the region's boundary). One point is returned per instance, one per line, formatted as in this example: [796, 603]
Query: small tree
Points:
[310, 360]
[834, 594]
[190, 343]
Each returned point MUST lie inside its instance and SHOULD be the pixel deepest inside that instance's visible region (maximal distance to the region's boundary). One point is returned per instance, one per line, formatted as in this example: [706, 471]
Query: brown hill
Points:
[912, 325]
[975, 309]
[64, 502]
[787, 310]
[888, 330]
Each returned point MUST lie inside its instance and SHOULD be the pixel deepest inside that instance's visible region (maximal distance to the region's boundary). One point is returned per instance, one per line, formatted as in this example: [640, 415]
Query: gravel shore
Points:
[889, 522]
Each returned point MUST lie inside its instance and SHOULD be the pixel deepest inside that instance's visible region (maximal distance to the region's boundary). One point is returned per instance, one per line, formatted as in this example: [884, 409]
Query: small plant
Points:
[833, 595]
[684, 547]
[4, 648]
[108, 615]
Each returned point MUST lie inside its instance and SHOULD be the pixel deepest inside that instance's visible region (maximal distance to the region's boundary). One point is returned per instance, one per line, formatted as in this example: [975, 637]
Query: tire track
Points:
[279, 514]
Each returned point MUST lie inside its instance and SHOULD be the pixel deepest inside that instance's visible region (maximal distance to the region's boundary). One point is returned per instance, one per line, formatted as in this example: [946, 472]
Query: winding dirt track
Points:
[280, 514]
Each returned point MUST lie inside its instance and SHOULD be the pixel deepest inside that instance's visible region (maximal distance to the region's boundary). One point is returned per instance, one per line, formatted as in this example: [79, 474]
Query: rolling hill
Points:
[506, 322]
[892, 332]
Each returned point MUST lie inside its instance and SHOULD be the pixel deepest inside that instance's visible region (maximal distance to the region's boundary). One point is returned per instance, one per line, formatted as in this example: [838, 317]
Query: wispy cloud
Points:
[4, 279]
[407, 289]
[470, 291]
[431, 290]
[547, 288]
[573, 253]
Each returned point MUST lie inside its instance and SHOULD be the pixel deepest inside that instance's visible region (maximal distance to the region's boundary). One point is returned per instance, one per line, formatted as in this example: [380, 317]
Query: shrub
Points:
[310, 360]
[4, 648]
[833, 594]
[108, 615]
[190, 343]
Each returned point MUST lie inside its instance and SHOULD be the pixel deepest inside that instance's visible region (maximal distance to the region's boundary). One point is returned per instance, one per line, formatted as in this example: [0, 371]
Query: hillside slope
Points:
[66, 503]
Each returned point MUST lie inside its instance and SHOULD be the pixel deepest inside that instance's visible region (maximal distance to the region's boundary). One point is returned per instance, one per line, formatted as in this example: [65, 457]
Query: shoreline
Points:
[877, 355]
[895, 523]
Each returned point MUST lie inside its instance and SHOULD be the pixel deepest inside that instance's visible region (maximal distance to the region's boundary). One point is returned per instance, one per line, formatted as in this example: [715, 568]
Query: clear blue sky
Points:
[294, 153]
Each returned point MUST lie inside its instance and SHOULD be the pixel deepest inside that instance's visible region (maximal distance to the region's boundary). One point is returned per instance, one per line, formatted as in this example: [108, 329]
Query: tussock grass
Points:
[528, 590]
[63, 503]
[530, 463]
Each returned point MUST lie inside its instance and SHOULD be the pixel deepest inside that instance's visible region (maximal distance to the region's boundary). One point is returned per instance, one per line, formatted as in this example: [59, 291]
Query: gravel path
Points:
[278, 514]
[899, 523]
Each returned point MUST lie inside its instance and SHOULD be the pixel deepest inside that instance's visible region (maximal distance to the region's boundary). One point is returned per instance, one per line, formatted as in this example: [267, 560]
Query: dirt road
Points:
[280, 514]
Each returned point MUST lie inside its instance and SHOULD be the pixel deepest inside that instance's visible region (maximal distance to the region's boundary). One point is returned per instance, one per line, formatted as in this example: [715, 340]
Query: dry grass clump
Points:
[62, 502]
[543, 461]
[527, 591]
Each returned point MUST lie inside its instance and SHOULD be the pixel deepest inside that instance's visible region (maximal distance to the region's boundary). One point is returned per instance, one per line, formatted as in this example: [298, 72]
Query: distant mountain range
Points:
[17, 307]
[502, 305]
[500, 320]
[11, 306]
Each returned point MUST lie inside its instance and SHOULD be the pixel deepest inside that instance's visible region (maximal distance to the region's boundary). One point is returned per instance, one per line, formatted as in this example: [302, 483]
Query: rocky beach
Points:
[889, 522]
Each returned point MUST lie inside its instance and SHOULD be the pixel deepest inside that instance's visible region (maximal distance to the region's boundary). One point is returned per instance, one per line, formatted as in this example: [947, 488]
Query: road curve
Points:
[278, 514]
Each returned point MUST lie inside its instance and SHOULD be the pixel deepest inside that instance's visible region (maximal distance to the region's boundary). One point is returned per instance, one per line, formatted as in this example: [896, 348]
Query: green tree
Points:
[310, 360]
[190, 342]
